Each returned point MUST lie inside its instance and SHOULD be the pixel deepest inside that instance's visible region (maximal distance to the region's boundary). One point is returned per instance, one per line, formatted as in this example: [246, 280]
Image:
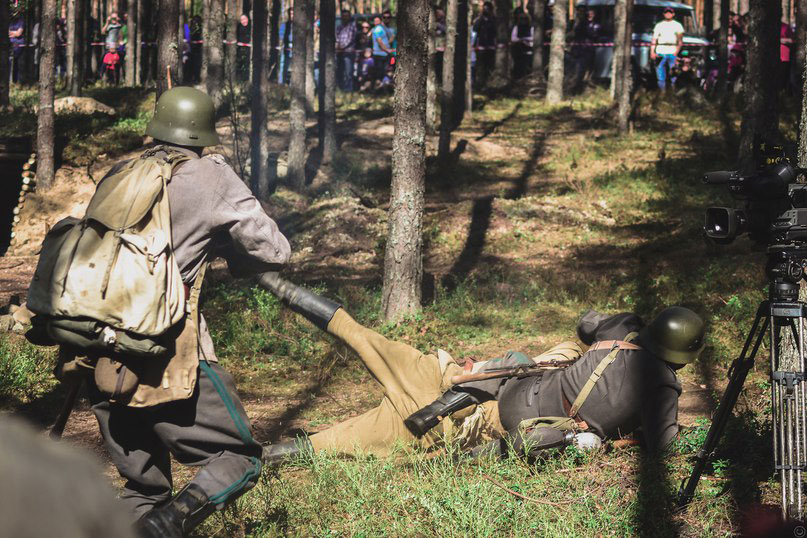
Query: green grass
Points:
[25, 370]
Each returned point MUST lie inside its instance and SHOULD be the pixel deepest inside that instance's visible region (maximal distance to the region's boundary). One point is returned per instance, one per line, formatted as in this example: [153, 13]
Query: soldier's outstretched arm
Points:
[315, 308]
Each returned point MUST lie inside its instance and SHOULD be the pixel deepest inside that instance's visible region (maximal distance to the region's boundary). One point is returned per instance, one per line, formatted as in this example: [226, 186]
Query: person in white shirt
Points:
[668, 37]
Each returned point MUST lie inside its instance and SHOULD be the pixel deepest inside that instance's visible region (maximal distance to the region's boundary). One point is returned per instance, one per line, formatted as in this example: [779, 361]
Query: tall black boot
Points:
[274, 455]
[183, 513]
[425, 419]
[316, 309]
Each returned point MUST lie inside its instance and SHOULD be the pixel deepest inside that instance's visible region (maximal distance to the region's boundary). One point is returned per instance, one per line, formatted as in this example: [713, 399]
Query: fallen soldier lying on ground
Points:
[625, 381]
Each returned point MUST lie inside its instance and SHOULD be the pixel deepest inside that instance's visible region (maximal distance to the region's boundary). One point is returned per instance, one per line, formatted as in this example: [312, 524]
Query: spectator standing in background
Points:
[364, 37]
[111, 70]
[485, 28]
[286, 37]
[16, 34]
[111, 31]
[345, 51]
[521, 46]
[668, 37]
[382, 45]
[243, 35]
[586, 34]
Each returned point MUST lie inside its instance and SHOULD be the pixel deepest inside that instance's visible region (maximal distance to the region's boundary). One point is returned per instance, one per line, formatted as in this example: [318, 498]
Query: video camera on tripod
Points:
[775, 209]
[775, 213]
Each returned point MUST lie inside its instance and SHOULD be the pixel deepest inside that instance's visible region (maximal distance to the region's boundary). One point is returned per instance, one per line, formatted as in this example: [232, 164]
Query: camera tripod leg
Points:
[788, 407]
[737, 373]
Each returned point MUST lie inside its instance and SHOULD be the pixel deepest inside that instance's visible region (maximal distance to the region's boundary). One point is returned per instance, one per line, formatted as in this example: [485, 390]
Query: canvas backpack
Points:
[109, 282]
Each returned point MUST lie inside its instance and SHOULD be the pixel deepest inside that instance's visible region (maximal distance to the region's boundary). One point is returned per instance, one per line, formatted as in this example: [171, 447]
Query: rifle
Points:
[74, 382]
[57, 429]
[519, 371]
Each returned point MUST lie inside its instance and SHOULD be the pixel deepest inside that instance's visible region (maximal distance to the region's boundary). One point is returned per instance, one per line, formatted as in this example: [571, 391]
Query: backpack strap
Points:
[616, 346]
[192, 301]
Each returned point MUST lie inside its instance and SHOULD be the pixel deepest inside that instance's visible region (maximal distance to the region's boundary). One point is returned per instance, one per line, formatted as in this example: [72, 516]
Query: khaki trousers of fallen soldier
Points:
[410, 380]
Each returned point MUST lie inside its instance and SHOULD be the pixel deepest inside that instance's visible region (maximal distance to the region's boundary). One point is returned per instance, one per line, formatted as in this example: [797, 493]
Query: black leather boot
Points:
[316, 309]
[274, 455]
[427, 418]
[183, 513]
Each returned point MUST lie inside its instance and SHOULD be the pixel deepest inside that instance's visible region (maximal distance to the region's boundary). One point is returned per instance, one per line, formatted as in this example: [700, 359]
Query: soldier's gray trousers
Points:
[210, 430]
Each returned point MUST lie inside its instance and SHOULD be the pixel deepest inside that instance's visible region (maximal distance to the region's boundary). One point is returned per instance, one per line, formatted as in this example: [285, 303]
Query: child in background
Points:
[366, 70]
[111, 64]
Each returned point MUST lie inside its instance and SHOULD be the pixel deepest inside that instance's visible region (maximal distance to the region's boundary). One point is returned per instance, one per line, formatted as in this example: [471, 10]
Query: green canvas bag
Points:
[109, 283]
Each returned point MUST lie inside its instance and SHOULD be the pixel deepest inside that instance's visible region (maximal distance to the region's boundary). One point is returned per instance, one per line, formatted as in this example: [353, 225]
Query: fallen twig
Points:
[524, 497]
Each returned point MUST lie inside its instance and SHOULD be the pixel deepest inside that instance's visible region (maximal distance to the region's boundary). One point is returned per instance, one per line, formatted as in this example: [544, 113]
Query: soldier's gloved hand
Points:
[586, 441]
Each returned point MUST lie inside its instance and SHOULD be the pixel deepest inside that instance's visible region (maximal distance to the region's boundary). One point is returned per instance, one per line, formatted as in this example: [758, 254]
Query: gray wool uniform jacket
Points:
[211, 206]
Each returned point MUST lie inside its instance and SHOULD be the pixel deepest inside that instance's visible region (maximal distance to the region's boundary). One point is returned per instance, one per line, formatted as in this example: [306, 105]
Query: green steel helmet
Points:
[675, 336]
[186, 117]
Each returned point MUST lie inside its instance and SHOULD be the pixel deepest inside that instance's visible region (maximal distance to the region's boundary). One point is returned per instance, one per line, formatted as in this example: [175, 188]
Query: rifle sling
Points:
[616, 346]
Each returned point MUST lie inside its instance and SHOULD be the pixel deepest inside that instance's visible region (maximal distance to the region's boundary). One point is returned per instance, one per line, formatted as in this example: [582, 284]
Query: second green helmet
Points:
[186, 117]
[675, 336]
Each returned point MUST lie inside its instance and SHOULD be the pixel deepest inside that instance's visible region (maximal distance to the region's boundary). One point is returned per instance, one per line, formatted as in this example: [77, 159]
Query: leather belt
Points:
[611, 344]
[567, 407]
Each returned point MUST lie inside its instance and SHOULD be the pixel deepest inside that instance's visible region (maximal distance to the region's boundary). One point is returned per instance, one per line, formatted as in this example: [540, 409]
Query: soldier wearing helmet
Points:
[623, 383]
[208, 427]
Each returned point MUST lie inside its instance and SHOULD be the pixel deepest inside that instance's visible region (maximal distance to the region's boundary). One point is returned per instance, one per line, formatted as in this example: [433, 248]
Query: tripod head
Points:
[785, 270]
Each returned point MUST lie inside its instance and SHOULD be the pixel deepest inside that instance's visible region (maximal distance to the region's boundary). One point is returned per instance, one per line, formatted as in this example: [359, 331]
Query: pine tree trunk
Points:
[132, 50]
[214, 80]
[501, 69]
[723, 46]
[259, 173]
[274, 39]
[620, 27]
[708, 15]
[538, 9]
[297, 107]
[626, 87]
[803, 119]
[138, 35]
[761, 114]
[230, 51]
[45, 139]
[800, 47]
[469, 83]
[310, 86]
[460, 57]
[72, 39]
[5, 51]
[447, 93]
[168, 45]
[557, 47]
[403, 259]
[327, 80]
[206, 28]
[79, 47]
[431, 76]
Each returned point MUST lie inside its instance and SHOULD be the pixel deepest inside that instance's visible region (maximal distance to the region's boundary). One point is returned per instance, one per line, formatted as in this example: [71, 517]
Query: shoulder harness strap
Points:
[616, 346]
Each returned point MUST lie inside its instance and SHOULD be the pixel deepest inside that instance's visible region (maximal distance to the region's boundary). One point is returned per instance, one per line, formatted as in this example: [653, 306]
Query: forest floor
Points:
[545, 212]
